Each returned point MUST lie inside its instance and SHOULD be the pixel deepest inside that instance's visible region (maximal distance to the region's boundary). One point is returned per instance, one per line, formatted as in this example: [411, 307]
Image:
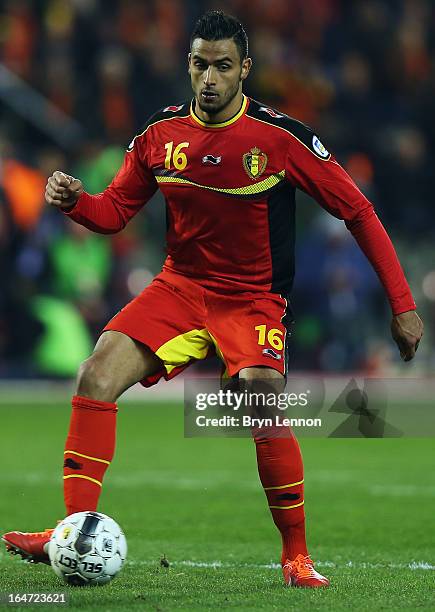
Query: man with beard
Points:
[228, 167]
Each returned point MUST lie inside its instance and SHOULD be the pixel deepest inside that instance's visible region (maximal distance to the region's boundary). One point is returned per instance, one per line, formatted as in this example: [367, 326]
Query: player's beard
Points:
[215, 108]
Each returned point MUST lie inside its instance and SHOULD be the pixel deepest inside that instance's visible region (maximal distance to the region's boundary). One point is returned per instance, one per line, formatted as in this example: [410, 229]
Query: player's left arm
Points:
[310, 167]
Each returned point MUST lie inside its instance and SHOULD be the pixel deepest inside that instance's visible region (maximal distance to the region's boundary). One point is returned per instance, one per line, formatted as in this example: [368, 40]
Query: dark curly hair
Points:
[217, 25]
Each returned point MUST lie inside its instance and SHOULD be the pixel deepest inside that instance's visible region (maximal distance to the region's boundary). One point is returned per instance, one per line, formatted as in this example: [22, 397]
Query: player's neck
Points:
[227, 113]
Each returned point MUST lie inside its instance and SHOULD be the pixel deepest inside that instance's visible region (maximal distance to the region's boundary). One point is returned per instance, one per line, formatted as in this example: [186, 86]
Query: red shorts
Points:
[182, 322]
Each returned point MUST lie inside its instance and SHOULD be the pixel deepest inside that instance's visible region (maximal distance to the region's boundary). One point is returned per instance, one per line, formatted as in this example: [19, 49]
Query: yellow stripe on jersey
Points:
[293, 484]
[69, 452]
[252, 189]
[180, 350]
[224, 123]
[100, 484]
[287, 507]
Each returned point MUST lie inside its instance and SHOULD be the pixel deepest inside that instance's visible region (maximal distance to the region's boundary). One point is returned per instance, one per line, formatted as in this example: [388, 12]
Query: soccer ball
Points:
[87, 548]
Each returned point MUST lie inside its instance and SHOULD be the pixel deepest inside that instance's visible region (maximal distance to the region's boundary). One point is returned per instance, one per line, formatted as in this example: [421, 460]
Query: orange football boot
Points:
[30, 546]
[301, 573]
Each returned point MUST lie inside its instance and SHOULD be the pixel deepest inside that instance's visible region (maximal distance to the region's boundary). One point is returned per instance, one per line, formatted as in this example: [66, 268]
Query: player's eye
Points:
[223, 67]
[201, 65]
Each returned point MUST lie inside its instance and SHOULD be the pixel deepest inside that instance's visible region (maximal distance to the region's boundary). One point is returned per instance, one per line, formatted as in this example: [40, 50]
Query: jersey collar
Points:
[223, 123]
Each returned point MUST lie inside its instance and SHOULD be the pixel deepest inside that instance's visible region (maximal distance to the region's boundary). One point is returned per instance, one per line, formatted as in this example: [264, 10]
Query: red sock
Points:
[282, 476]
[89, 449]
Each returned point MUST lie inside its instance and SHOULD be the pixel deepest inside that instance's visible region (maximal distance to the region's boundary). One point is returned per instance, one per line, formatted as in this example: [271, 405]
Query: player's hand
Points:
[407, 331]
[62, 190]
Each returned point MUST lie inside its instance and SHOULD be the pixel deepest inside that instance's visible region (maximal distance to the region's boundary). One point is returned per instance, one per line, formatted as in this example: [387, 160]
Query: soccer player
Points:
[228, 167]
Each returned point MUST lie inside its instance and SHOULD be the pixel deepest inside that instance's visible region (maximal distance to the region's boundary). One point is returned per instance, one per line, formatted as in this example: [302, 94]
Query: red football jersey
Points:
[230, 197]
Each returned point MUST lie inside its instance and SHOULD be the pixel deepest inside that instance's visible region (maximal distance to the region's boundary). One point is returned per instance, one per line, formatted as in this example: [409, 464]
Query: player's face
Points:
[217, 73]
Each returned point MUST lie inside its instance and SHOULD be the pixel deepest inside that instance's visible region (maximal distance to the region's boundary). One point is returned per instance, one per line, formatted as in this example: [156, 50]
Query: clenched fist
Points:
[63, 190]
[407, 331]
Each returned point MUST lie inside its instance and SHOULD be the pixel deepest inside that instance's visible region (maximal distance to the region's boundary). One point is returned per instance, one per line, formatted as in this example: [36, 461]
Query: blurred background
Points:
[79, 77]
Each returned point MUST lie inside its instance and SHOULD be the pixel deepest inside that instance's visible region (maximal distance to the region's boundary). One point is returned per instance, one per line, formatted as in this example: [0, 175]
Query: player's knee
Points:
[260, 373]
[261, 379]
[94, 380]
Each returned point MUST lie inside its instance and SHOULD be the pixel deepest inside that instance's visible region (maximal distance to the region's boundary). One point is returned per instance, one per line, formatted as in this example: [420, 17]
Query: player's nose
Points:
[209, 76]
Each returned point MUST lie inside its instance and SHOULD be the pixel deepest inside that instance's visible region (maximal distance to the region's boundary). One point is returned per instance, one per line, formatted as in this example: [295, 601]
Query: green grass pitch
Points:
[369, 504]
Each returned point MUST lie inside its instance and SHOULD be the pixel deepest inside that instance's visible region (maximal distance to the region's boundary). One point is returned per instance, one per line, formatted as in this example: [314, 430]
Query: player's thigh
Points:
[117, 363]
[126, 358]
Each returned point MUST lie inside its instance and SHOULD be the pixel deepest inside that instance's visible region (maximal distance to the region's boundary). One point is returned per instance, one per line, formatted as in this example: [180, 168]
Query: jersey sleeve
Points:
[312, 168]
[134, 184]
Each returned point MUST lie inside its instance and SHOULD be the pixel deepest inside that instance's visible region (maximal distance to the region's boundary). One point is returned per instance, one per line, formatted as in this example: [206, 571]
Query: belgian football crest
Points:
[255, 162]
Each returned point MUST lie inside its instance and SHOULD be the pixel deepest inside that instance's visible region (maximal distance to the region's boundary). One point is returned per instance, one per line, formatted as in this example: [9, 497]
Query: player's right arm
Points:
[107, 212]
[313, 169]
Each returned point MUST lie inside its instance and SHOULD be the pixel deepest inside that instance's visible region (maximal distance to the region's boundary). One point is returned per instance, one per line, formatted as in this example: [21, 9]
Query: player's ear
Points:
[246, 67]
[189, 55]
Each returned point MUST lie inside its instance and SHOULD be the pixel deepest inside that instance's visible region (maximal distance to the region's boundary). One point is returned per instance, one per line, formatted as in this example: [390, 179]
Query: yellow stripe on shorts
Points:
[180, 350]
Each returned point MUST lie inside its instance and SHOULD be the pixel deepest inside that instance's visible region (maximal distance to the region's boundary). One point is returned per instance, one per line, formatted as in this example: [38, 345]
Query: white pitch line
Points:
[217, 480]
[413, 565]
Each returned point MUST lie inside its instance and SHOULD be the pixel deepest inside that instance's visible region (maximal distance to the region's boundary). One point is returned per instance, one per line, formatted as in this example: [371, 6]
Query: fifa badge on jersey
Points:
[319, 148]
[255, 162]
